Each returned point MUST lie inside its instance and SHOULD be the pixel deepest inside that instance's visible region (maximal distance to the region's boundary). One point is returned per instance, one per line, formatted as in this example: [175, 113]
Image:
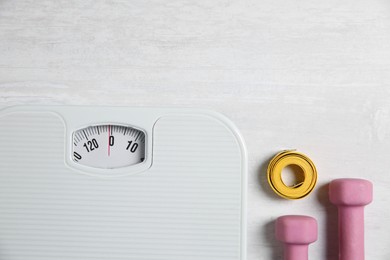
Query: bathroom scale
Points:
[105, 183]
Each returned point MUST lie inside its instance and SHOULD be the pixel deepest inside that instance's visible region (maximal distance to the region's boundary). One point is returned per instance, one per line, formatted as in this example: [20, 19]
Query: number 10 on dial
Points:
[108, 146]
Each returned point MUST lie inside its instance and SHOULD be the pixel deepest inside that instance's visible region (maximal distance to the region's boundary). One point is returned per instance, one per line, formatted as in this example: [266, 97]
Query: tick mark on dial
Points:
[136, 138]
[85, 135]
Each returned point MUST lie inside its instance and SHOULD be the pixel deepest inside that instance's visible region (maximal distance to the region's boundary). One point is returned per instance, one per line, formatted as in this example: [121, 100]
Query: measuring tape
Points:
[291, 157]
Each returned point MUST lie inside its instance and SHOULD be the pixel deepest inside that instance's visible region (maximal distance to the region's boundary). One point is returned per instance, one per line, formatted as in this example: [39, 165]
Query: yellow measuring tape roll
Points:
[291, 157]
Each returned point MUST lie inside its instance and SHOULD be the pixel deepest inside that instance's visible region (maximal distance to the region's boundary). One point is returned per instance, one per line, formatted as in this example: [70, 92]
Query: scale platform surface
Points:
[120, 183]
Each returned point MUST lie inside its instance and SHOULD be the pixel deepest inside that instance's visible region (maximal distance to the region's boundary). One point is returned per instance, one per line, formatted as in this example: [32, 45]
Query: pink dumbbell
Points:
[296, 232]
[351, 195]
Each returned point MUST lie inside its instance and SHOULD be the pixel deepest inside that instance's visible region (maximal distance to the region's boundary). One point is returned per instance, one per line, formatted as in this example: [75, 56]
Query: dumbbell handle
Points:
[351, 232]
[295, 252]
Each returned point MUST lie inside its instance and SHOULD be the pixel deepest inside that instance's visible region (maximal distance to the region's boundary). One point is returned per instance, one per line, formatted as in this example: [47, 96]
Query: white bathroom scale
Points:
[106, 183]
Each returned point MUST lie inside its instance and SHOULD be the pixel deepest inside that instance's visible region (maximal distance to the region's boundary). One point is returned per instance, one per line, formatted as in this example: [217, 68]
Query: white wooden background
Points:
[307, 74]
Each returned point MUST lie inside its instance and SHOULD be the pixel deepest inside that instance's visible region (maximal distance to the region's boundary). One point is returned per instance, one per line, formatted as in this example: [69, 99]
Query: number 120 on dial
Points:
[108, 146]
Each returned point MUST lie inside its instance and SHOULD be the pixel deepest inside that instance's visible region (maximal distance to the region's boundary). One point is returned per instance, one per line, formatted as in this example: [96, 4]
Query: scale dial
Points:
[108, 146]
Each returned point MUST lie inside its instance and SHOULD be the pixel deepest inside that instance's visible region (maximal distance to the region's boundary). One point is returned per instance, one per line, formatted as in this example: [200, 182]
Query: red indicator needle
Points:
[109, 134]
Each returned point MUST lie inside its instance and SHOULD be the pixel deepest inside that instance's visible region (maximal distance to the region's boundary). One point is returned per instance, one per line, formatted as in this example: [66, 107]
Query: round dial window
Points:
[108, 146]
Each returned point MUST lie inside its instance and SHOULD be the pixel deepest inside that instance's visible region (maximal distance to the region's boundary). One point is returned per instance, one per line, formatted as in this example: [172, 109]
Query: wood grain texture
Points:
[311, 75]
